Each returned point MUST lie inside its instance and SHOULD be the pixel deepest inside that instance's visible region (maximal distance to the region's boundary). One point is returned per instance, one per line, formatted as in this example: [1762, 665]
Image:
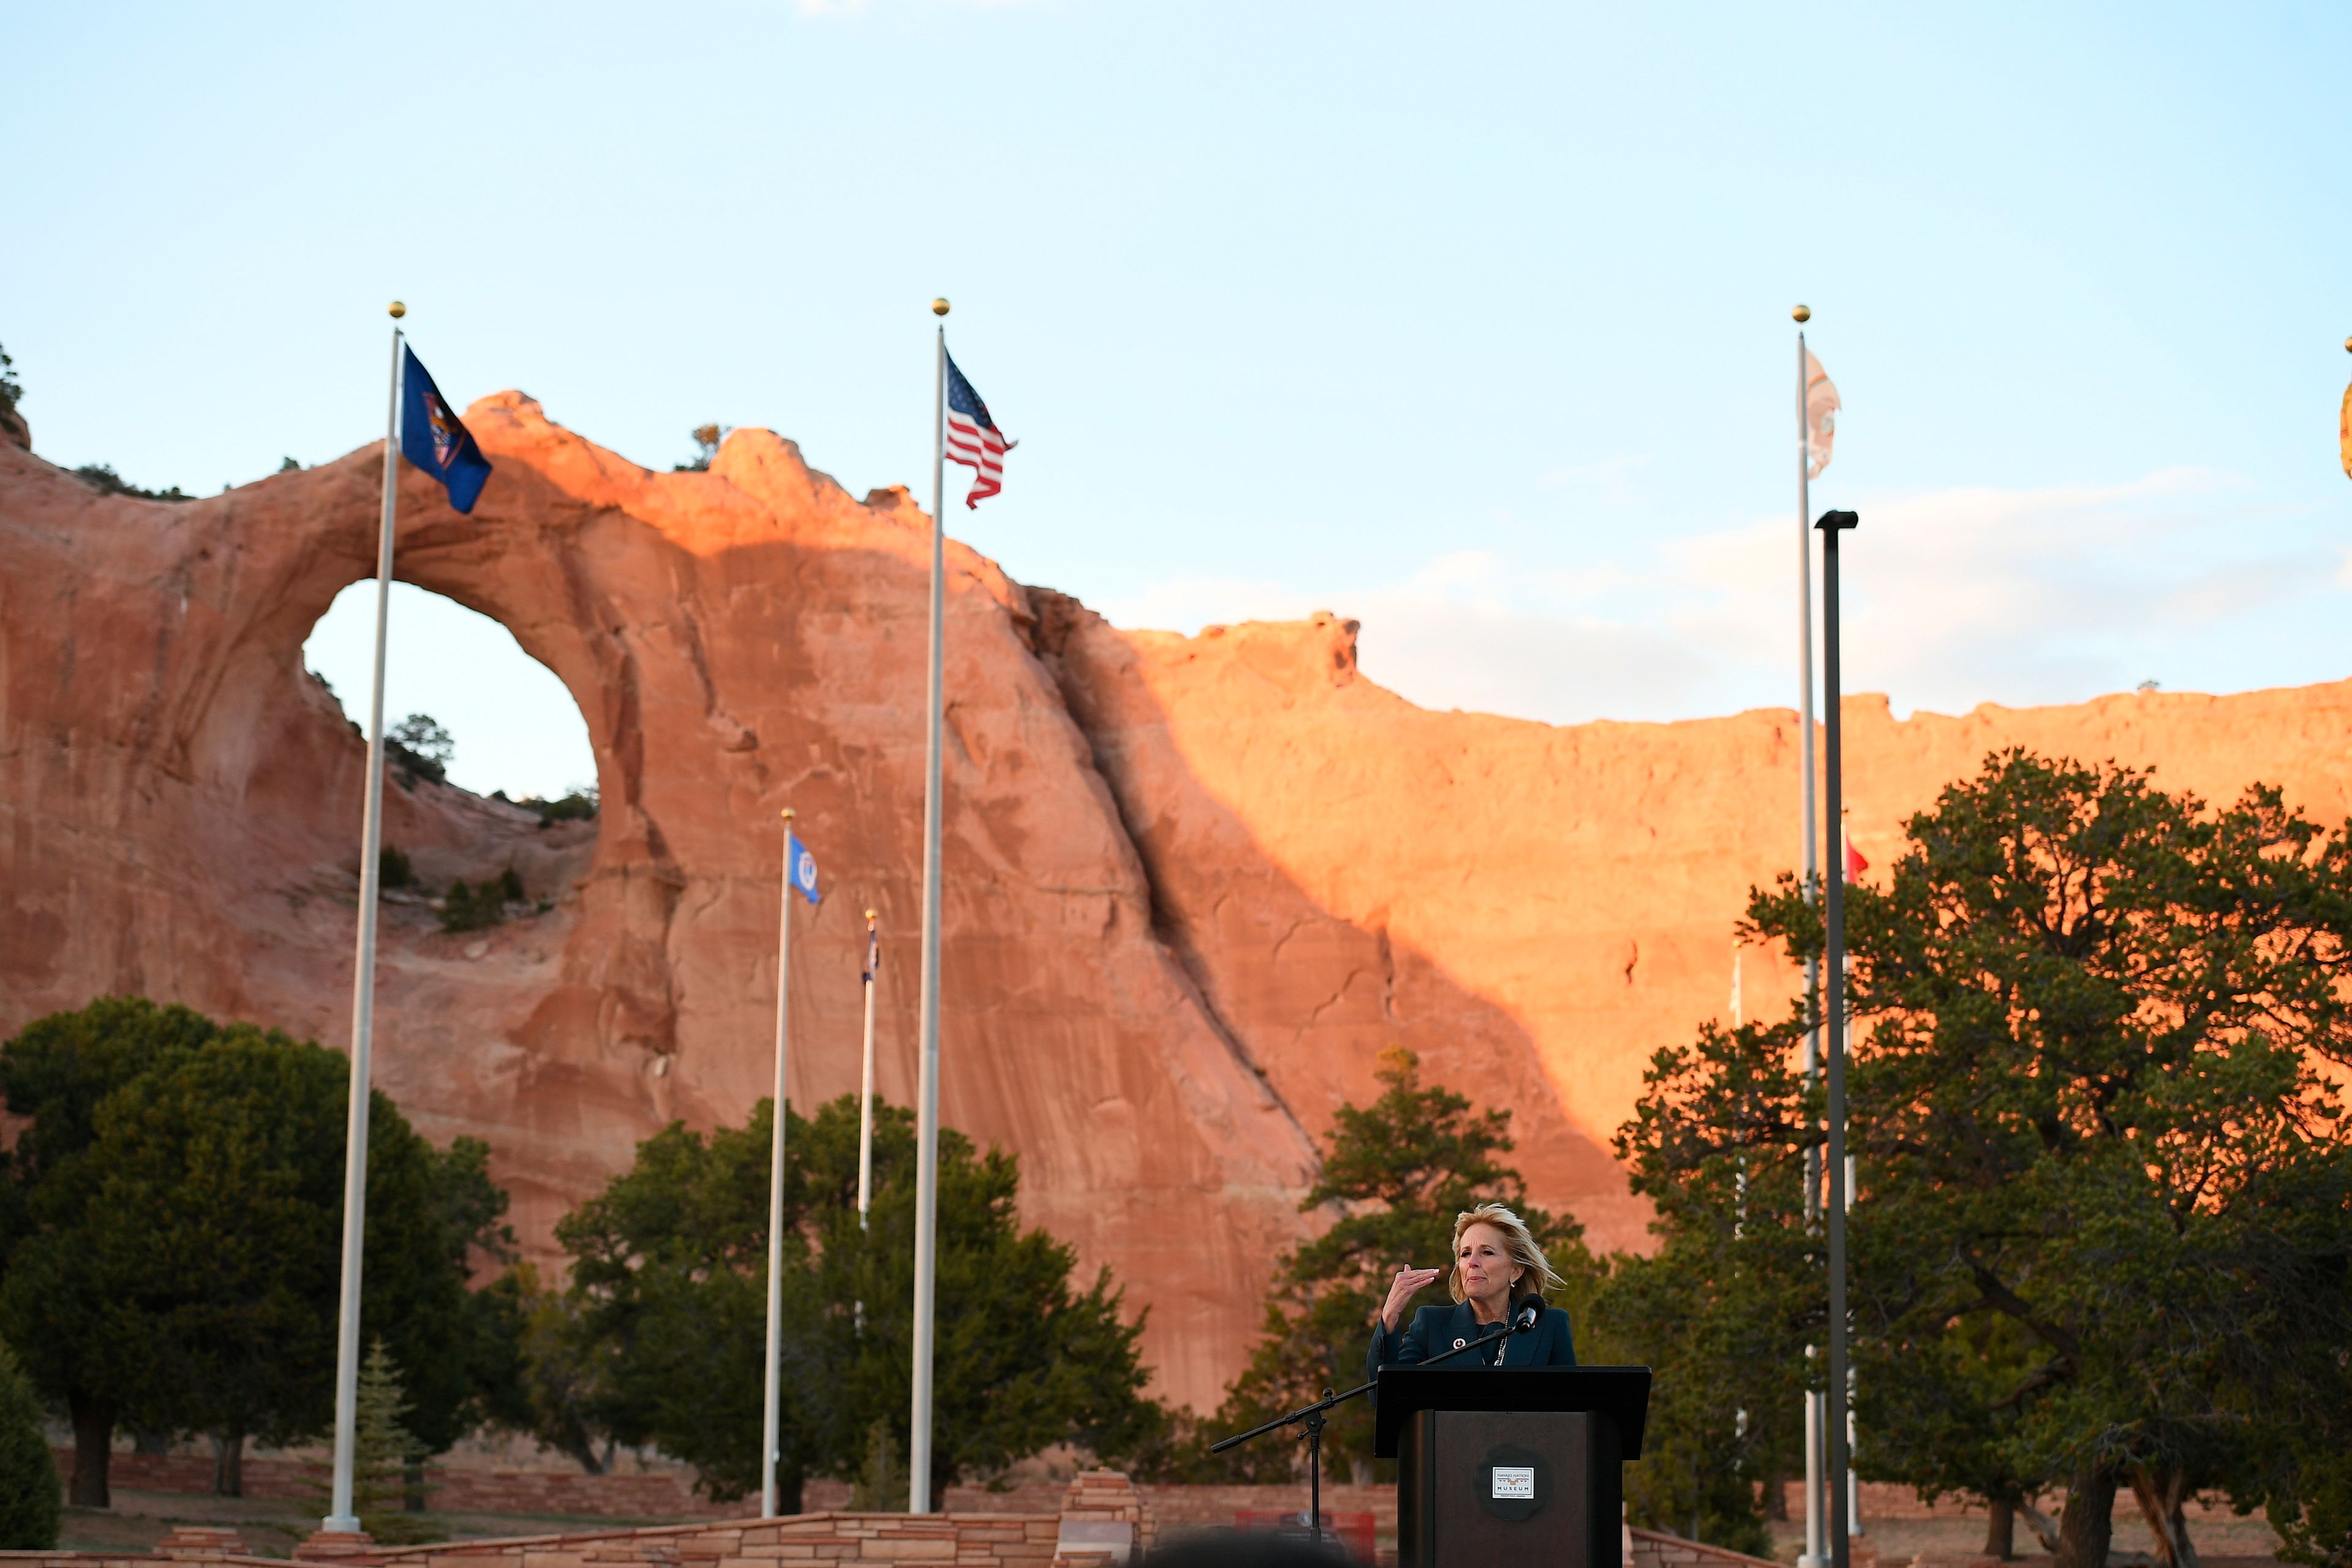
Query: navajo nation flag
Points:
[974, 439]
[432, 436]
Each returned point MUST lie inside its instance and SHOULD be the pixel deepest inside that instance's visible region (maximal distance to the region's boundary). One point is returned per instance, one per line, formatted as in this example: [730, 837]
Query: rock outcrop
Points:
[1193, 885]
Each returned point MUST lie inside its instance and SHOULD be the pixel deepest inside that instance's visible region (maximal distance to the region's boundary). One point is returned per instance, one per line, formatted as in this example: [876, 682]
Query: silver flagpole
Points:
[339, 1518]
[1815, 1401]
[772, 1395]
[927, 1110]
[866, 1102]
[866, 1078]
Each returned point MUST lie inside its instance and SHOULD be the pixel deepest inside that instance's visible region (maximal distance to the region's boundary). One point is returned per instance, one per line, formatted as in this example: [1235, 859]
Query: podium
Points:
[1515, 1466]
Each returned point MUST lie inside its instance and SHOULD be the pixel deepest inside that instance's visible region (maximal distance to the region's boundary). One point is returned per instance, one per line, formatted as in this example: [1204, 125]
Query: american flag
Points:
[974, 439]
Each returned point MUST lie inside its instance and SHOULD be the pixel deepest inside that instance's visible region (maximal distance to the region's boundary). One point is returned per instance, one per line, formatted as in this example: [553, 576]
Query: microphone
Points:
[1524, 1319]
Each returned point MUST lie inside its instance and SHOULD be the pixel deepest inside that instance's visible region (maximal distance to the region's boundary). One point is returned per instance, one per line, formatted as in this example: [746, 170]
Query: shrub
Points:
[706, 447]
[470, 908]
[421, 749]
[29, 1473]
[576, 806]
[101, 478]
[393, 870]
[12, 391]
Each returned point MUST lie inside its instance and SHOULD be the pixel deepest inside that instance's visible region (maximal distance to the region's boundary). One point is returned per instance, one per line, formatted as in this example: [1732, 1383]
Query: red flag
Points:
[1854, 864]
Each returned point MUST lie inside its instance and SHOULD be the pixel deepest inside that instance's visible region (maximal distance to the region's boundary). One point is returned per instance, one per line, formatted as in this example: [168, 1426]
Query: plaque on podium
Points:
[1517, 1466]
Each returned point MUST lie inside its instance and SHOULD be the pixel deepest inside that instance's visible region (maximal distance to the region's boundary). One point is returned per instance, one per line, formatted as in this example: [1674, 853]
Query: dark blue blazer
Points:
[1437, 1330]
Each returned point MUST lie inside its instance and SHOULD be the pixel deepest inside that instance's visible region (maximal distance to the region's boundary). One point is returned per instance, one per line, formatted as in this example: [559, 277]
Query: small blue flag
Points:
[802, 864]
[432, 437]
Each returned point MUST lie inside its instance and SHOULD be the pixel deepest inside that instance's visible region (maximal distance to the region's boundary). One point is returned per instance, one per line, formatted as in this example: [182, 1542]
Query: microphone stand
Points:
[1314, 1416]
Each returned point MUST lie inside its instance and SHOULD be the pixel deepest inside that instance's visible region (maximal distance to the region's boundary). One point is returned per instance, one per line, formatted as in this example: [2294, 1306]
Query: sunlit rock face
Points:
[1193, 885]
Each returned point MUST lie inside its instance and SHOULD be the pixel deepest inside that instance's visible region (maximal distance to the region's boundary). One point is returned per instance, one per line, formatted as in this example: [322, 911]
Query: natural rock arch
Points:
[736, 640]
[1181, 914]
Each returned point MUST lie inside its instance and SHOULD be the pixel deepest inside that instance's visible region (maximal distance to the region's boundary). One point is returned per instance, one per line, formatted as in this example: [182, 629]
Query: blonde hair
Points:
[1535, 1274]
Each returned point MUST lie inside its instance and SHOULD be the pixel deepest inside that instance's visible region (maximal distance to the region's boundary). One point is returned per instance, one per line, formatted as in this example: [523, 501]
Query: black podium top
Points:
[1621, 1393]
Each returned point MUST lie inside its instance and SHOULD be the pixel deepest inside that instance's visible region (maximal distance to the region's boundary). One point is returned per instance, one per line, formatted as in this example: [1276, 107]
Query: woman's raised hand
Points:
[1408, 1283]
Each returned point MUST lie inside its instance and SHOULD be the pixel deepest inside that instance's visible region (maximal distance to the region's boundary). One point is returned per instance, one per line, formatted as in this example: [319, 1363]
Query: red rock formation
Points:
[1193, 885]
[182, 800]
[1534, 909]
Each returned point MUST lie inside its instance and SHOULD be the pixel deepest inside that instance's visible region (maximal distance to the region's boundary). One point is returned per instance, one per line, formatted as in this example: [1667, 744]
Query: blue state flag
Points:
[432, 437]
[803, 865]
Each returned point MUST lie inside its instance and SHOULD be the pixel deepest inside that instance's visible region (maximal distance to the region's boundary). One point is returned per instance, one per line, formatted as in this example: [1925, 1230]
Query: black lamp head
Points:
[1832, 520]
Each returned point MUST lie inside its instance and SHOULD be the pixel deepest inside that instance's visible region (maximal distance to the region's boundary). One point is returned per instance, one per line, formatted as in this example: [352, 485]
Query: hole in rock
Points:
[511, 724]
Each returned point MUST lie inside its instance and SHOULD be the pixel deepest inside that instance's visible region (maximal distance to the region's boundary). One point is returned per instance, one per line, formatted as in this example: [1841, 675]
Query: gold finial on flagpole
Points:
[873, 915]
[788, 813]
[396, 309]
[2347, 345]
[939, 307]
[1803, 313]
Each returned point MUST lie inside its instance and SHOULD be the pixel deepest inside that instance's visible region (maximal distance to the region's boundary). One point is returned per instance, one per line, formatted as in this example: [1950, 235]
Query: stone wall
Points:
[992, 1539]
[1098, 1506]
[655, 1494]
[1204, 1506]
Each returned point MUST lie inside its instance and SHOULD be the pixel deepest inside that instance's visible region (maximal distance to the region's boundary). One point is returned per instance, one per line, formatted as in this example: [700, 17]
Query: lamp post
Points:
[1830, 525]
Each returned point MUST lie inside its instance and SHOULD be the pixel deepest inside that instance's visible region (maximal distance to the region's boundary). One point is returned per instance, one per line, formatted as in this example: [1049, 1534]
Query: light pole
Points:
[1830, 525]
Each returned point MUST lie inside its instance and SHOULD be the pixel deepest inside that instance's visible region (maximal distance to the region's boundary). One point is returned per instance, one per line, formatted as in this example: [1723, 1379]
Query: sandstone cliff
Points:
[1193, 884]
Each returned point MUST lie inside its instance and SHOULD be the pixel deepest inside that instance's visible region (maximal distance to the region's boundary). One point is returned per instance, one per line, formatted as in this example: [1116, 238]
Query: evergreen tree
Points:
[882, 1484]
[546, 1382]
[2104, 1213]
[667, 1333]
[55, 1073]
[1024, 1359]
[669, 1294]
[180, 1193]
[1723, 1311]
[1397, 1174]
[383, 1450]
[29, 1470]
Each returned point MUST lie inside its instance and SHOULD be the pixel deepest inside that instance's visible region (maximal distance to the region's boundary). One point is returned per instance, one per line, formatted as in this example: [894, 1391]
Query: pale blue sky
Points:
[1468, 320]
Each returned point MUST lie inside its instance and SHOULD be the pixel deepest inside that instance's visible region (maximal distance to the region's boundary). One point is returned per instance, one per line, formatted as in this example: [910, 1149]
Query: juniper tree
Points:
[2103, 1199]
[665, 1336]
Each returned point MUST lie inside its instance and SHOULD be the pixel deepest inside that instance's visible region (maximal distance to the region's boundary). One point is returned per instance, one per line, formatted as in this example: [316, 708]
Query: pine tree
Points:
[881, 1486]
[382, 1452]
[1398, 1172]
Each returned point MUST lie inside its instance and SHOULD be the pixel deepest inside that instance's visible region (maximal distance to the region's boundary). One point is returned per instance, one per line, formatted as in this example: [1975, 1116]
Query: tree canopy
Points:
[661, 1335]
[1395, 1173]
[2103, 1190]
[178, 1213]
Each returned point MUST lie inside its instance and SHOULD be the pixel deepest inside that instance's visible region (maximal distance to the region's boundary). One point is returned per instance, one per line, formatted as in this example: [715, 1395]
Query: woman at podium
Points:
[1499, 1275]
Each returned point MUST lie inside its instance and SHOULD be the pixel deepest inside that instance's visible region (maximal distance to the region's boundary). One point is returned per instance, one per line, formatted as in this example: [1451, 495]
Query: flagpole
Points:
[866, 1103]
[1845, 1048]
[1815, 1405]
[866, 1078]
[1834, 1010]
[927, 1109]
[772, 1395]
[340, 1519]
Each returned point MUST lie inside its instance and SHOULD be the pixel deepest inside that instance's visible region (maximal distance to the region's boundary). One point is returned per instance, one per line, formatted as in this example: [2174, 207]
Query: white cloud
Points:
[1952, 597]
